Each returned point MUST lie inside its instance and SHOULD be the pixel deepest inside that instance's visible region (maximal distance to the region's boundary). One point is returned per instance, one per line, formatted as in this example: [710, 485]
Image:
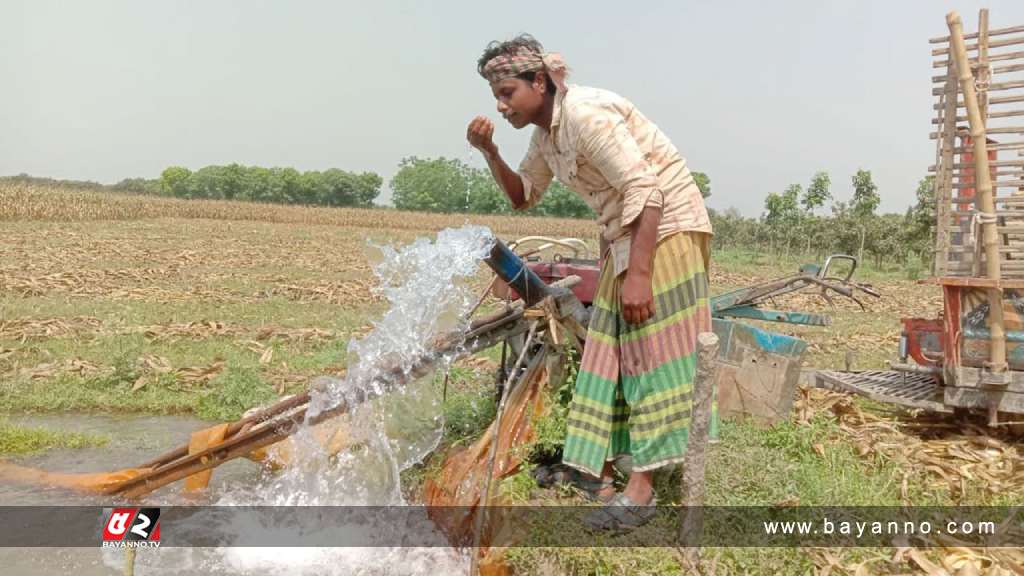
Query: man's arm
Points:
[637, 288]
[480, 134]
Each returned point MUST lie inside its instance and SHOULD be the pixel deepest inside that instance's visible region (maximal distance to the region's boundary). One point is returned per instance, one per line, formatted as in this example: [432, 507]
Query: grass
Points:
[20, 440]
[750, 466]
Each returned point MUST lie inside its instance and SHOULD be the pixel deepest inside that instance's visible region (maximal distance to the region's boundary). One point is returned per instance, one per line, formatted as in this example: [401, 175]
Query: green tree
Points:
[431, 185]
[138, 186]
[817, 192]
[174, 181]
[920, 219]
[865, 194]
[560, 201]
[782, 214]
[703, 182]
[485, 197]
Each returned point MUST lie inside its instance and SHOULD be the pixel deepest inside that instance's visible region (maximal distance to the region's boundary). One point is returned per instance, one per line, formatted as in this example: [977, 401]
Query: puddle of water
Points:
[131, 440]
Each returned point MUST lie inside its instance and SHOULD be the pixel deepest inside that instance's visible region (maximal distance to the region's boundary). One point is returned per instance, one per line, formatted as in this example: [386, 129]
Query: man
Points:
[633, 393]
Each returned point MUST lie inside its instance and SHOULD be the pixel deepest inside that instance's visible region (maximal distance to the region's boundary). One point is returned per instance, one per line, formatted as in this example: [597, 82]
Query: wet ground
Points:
[136, 439]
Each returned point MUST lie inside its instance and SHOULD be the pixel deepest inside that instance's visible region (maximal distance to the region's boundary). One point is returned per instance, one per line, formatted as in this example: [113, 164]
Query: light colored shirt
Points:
[618, 161]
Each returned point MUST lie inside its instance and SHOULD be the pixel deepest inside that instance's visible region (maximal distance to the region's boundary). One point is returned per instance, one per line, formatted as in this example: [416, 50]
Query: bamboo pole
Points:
[691, 519]
[997, 100]
[983, 194]
[943, 191]
[1004, 69]
[993, 58]
[997, 44]
[1004, 114]
[129, 562]
[999, 146]
[996, 87]
[991, 185]
[984, 73]
[972, 36]
[997, 163]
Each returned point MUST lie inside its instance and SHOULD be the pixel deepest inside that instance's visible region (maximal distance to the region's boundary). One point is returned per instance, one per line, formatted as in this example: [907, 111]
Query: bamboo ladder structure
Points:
[980, 234]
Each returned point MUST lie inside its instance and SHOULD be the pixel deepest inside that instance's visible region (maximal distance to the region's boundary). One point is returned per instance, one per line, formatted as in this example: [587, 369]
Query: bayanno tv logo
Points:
[131, 528]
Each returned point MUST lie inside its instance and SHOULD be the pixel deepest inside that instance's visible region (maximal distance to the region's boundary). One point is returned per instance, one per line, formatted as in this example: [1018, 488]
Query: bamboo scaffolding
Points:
[996, 100]
[1002, 250]
[1004, 114]
[1010, 200]
[998, 175]
[997, 44]
[992, 58]
[991, 146]
[944, 153]
[1014, 214]
[991, 184]
[984, 193]
[984, 76]
[997, 163]
[973, 35]
[1003, 69]
[996, 87]
[999, 130]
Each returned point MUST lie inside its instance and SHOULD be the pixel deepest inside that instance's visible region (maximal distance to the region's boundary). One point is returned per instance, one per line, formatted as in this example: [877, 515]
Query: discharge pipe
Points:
[513, 271]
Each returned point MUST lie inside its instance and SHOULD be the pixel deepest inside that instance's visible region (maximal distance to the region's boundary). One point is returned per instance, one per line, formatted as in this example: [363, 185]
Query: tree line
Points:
[421, 184]
[795, 221]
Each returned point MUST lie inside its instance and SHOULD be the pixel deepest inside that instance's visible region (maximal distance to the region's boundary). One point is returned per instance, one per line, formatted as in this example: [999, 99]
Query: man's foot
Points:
[639, 493]
[640, 488]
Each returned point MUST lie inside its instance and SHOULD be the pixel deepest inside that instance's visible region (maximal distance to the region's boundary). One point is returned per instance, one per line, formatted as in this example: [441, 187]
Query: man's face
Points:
[519, 101]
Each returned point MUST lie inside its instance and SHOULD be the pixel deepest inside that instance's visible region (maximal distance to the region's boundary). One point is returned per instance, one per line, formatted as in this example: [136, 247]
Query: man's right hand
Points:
[479, 134]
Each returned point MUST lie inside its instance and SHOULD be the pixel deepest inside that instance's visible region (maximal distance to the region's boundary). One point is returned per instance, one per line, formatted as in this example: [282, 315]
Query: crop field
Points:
[121, 303]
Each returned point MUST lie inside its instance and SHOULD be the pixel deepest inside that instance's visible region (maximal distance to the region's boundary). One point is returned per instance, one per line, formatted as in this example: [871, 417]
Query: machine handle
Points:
[823, 273]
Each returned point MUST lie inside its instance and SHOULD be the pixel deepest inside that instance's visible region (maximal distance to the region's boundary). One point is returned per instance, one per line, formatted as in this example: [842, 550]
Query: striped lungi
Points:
[634, 389]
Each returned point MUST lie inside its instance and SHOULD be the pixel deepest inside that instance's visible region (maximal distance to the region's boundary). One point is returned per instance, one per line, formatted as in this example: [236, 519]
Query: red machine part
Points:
[925, 340]
[588, 270]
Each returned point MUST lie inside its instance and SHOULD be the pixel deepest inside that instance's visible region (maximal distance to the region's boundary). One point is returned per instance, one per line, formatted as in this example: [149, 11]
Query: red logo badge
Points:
[131, 528]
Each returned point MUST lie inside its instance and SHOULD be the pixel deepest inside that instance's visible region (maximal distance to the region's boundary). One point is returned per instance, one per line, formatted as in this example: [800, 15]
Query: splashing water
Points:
[425, 285]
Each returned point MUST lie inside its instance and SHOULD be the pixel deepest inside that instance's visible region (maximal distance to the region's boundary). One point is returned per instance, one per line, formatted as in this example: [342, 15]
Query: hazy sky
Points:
[756, 94]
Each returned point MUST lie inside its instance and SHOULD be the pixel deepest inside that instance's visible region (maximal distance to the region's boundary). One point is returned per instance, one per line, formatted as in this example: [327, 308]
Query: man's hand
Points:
[637, 291]
[479, 134]
[637, 297]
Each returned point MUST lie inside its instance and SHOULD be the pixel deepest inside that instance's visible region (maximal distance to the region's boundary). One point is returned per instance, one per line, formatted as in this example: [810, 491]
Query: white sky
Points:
[756, 94]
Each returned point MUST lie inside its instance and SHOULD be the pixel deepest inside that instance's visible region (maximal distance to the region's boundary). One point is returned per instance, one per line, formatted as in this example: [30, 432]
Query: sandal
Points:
[589, 486]
[621, 514]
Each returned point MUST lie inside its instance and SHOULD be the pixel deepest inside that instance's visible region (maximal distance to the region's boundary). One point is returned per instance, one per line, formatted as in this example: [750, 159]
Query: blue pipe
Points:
[511, 268]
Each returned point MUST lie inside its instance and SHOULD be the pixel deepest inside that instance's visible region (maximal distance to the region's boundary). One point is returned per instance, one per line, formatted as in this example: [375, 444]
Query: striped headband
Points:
[526, 60]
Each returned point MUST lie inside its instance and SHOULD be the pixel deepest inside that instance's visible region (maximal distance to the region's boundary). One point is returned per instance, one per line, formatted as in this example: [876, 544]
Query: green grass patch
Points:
[21, 440]
[234, 391]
